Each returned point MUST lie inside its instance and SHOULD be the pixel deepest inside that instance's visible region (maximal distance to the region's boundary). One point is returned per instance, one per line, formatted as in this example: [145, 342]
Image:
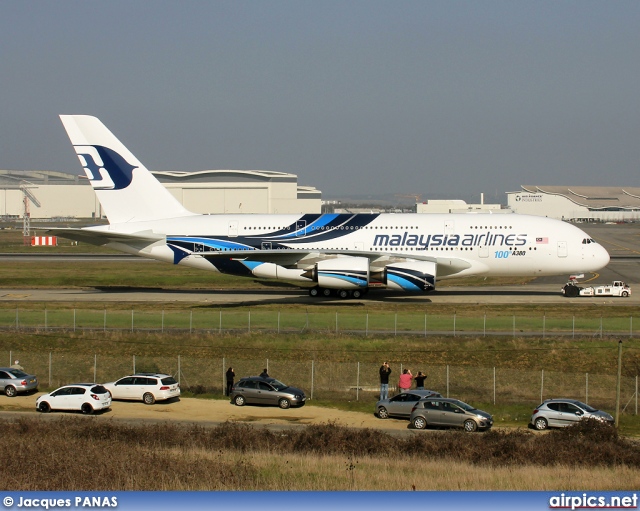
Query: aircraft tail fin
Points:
[127, 191]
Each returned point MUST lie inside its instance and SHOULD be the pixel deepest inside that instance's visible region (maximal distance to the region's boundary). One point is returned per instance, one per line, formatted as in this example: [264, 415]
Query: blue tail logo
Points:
[105, 168]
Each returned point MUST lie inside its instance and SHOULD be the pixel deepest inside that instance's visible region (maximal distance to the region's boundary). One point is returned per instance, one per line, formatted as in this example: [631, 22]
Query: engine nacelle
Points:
[342, 273]
[412, 277]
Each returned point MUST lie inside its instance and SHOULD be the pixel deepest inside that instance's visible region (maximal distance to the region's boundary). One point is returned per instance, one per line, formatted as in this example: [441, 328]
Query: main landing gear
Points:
[340, 293]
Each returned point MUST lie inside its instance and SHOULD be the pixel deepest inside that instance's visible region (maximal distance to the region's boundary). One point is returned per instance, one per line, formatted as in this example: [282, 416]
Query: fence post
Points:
[134, 364]
[586, 390]
[131, 320]
[454, 326]
[49, 369]
[447, 380]
[95, 368]
[224, 382]
[358, 383]
[249, 320]
[541, 384]
[494, 385]
[179, 369]
[312, 376]
[10, 358]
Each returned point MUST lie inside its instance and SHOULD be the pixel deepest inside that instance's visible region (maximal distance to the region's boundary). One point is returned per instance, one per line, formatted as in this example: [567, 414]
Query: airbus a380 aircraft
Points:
[336, 253]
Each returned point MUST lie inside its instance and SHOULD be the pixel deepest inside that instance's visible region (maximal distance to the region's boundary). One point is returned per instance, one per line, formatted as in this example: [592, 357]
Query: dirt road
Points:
[217, 411]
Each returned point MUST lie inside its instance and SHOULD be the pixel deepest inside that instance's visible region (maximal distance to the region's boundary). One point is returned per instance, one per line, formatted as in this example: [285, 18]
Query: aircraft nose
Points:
[602, 257]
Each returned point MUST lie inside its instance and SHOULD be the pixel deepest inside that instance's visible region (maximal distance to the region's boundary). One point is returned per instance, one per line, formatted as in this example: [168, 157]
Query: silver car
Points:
[402, 404]
[440, 411]
[13, 381]
[266, 391]
[558, 413]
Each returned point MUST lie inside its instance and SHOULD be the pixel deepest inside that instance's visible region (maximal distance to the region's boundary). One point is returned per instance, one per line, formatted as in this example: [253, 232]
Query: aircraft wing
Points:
[305, 259]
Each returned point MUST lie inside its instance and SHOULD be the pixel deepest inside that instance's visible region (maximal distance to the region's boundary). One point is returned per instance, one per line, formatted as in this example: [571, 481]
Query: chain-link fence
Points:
[339, 381]
[291, 321]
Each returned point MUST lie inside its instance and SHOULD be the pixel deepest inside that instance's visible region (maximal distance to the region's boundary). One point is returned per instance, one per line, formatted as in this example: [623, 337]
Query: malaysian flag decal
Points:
[542, 241]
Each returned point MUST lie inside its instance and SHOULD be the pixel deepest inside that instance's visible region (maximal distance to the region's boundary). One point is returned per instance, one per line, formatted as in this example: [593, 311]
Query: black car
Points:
[266, 391]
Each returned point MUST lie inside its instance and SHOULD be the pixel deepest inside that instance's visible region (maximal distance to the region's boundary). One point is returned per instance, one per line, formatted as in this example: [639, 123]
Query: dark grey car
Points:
[266, 391]
[402, 404]
[13, 381]
[440, 411]
[558, 413]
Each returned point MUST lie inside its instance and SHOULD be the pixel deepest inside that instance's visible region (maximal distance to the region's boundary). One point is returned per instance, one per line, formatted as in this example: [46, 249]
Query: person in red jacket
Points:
[404, 384]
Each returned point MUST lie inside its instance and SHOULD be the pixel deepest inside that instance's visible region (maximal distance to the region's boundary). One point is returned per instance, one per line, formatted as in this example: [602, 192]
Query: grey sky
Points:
[356, 97]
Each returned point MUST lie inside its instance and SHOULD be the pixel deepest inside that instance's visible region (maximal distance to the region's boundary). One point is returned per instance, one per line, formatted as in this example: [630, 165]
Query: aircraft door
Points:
[233, 229]
[483, 251]
[562, 249]
[301, 227]
[449, 227]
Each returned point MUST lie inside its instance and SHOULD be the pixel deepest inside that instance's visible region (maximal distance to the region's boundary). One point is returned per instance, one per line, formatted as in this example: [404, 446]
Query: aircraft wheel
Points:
[314, 291]
[343, 293]
[326, 292]
[357, 293]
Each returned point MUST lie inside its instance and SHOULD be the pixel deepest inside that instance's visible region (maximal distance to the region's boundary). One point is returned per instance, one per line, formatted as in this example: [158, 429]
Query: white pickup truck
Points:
[616, 288]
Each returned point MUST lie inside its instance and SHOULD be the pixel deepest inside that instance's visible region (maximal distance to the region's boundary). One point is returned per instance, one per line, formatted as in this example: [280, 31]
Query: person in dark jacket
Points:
[264, 373]
[230, 377]
[420, 378]
[385, 371]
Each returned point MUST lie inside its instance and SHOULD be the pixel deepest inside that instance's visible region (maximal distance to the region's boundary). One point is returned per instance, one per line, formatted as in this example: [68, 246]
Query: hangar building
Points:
[65, 196]
[578, 203]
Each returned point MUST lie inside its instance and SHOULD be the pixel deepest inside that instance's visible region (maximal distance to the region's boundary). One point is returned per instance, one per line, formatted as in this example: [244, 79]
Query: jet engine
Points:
[342, 273]
[413, 277]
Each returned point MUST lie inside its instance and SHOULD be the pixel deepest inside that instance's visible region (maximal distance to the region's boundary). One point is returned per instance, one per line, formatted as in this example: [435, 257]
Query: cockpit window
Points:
[587, 241]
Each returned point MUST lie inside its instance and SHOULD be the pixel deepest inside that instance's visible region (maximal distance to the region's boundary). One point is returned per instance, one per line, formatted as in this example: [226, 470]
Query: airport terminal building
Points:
[57, 195]
[578, 203]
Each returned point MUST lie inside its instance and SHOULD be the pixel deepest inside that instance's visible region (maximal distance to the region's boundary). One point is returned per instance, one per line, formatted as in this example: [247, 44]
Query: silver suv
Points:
[442, 411]
[558, 413]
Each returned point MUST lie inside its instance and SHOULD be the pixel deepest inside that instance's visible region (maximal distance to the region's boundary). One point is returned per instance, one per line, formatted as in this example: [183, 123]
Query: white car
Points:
[145, 387]
[84, 397]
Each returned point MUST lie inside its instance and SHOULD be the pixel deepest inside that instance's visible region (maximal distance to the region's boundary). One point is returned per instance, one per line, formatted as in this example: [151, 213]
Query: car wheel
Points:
[314, 291]
[44, 407]
[239, 400]
[10, 391]
[87, 409]
[625, 294]
[541, 424]
[470, 425]
[284, 403]
[148, 398]
[419, 422]
[383, 413]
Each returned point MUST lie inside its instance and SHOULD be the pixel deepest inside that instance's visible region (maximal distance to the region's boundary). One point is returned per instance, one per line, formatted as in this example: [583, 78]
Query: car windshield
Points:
[586, 407]
[464, 406]
[278, 385]
[17, 373]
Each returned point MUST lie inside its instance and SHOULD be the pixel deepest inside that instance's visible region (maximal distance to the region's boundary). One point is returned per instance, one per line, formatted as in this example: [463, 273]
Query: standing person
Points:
[264, 373]
[385, 371]
[230, 376]
[404, 384]
[16, 365]
[420, 378]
